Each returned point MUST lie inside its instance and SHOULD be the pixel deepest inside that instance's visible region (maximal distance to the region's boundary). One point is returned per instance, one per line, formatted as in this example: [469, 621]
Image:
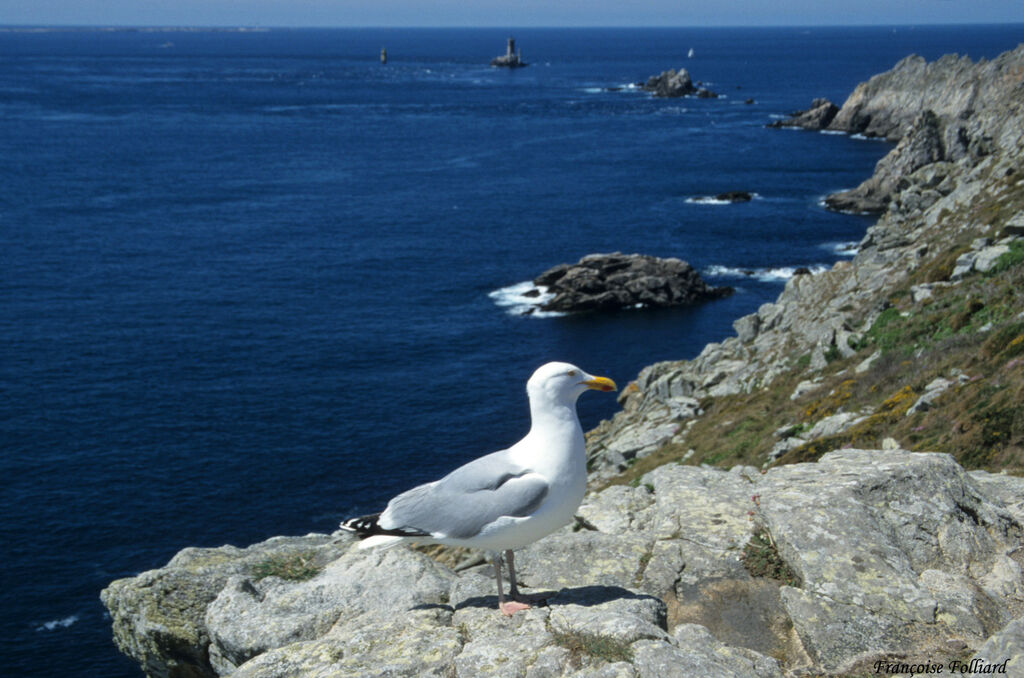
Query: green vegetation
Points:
[969, 332]
[597, 647]
[299, 566]
[761, 559]
[1009, 259]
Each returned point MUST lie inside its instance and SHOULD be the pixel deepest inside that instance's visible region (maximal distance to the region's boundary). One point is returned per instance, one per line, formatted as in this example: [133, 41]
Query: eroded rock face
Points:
[601, 282]
[817, 117]
[951, 109]
[922, 145]
[892, 553]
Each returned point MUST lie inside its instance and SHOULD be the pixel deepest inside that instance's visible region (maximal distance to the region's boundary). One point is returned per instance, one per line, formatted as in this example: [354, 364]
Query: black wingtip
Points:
[369, 526]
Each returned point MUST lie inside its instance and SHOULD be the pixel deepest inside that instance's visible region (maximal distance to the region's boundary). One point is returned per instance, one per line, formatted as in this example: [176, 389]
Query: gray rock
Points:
[747, 327]
[922, 145]
[987, 257]
[931, 392]
[248, 618]
[892, 552]
[1005, 650]
[406, 645]
[817, 117]
[158, 617]
[674, 84]
[964, 265]
[696, 652]
[1014, 226]
[613, 281]
[866, 364]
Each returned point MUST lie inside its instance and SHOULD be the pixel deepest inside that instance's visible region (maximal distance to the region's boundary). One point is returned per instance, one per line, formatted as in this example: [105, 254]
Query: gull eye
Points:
[573, 373]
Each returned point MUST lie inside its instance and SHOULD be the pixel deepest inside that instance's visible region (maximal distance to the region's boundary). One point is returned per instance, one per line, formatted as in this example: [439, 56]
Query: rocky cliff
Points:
[825, 358]
[868, 550]
[802, 570]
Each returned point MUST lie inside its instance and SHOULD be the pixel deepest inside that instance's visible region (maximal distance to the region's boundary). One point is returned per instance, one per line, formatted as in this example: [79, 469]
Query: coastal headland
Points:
[834, 490]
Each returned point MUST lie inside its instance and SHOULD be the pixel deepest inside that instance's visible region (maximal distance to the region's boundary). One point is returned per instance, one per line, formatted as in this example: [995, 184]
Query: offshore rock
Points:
[892, 554]
[601, 282]
[817, 117]
[672, 84]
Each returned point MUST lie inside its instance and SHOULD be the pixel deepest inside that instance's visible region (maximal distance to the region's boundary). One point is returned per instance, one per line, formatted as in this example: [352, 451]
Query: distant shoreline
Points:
[134, 29]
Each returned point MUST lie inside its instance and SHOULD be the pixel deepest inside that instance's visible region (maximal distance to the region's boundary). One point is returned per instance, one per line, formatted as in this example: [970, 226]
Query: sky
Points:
[501, 13]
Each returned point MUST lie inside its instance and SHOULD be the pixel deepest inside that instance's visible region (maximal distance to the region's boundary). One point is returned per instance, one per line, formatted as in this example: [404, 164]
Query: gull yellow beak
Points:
[600, 384]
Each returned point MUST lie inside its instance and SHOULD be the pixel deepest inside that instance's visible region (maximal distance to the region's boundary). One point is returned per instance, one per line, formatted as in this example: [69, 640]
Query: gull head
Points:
[562, 382]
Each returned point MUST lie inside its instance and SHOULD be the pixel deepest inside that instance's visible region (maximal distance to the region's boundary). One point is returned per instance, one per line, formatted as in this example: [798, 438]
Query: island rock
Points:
[671, 83]
[601, 282]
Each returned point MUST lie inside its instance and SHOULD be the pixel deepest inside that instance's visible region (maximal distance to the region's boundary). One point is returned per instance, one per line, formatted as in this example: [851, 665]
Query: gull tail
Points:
[371, 534]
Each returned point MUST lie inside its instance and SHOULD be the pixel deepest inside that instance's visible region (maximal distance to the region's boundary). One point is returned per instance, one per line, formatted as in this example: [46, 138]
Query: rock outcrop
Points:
[929, 203]
[947, 110]
[817, 117]
[671, 84]
[821, 567]
[602, 282]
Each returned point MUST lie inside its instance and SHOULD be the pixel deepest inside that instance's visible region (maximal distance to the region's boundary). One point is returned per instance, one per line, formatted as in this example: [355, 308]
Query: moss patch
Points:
[299, 566]
[761, 559]
[598, 647]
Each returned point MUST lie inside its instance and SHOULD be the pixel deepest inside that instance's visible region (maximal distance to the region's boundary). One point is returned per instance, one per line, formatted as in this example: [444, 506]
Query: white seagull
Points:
[507, 499]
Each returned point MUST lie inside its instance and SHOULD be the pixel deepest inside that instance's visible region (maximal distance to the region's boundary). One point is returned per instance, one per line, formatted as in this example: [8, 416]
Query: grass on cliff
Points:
[970, 332]
[299, 566]
[761, 559]
[602, 648]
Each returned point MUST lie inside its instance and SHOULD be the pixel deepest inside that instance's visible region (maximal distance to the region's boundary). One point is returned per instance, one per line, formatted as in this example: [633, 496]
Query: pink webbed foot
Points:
[510, 607]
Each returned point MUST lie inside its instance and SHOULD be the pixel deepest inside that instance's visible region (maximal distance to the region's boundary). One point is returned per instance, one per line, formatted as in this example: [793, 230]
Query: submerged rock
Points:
[601, 282]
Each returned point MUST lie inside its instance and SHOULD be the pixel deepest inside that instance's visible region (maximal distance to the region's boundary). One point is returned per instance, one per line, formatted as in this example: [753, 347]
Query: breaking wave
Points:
[712, 200]
[776, 274]
[58, 623]
[524, 298]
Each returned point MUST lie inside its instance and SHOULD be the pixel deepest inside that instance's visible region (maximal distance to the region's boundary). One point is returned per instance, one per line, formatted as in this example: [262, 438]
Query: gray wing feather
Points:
[469, 498]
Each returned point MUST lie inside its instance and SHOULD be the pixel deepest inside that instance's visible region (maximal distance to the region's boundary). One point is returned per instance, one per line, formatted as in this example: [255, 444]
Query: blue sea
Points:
[252, 283]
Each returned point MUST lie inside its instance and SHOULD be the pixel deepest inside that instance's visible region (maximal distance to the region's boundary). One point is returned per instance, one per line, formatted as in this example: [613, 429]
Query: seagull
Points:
[507, 499]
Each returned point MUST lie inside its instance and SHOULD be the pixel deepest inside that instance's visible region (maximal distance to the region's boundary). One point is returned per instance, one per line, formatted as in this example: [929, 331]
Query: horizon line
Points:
[261, 27]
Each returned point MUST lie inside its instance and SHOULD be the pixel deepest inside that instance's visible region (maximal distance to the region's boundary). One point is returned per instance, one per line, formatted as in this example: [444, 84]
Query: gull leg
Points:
[513, 589]
[508, 608]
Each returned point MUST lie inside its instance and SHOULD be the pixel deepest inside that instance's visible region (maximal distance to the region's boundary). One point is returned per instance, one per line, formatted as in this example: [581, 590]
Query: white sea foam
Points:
[866, 138]
[515, 299]
[58, 623]
[833, 131]
[712, 200]
[843, 249]
[776, 274]
[708, 200]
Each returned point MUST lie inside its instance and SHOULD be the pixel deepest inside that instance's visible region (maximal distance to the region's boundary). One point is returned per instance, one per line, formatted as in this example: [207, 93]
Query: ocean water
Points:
[256, 282]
